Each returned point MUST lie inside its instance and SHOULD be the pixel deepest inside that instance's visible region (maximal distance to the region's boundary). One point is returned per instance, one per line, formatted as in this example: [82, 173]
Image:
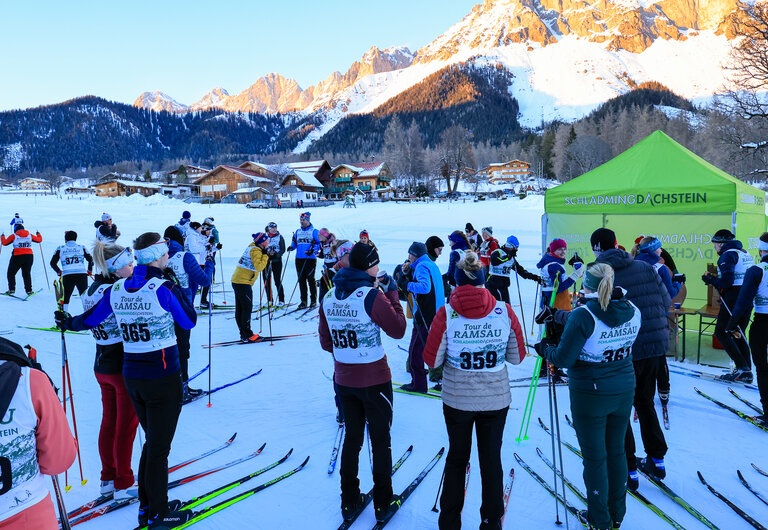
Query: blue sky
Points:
[57, 50]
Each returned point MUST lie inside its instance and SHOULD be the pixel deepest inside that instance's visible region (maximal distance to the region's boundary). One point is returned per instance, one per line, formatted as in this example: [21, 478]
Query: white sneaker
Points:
[125, 494]
[107, 487]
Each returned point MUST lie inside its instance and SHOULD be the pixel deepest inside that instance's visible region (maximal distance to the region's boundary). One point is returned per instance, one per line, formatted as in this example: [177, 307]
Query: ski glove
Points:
[61, 317]
[679, 278]
[291, 249]
[218, 246]
[545, 315]
[539, 280]
[708, 279]
[578, 271]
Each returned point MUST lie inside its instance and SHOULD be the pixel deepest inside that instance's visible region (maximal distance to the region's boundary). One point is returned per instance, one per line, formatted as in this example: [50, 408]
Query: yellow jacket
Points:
[255, 257]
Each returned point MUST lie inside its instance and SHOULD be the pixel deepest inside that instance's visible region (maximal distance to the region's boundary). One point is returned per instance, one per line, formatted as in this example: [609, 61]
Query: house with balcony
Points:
[320, 169]
[225, 180]
[299, 185]
[506, 173]
[371, 178]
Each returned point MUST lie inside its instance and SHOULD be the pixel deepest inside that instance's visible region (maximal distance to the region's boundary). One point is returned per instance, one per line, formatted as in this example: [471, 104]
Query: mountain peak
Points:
[159, 101]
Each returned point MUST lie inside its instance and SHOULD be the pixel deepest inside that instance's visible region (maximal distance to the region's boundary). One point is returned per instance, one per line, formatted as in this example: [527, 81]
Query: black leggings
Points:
[243, 308]
[70, 281]
[646, 371]
[326, 282]
[182, 342]
[758, 341]
[305, 270]
[207, 288]
[274, 270]
[737, 349]
[23, 262]
[498, 288]
[157, 403]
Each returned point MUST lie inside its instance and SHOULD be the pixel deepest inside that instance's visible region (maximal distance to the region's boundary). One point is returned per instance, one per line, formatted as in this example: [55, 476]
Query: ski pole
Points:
[64, 518]
[223, 285]
[45, 269]
[559, 445]
[550, 386]
[210, 366]
[439, 487]
[520, 297]
[269, 304]
[261, 295]
[535, 303]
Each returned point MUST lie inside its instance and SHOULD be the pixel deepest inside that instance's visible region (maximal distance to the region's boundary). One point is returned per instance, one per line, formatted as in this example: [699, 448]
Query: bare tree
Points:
[456, 155]
[588, 152]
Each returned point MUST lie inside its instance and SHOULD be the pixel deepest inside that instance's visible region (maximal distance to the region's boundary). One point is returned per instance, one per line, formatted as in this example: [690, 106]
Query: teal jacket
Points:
[615, 377]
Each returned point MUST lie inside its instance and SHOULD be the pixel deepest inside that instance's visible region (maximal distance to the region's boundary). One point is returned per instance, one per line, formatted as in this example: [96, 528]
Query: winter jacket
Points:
[726, 265]
[745, 301]
[105, 232]
[385, 311]
[645, 290]
[608, 377]
[466, 389]
[306, 242]
[195, 242]
[474, 239]
[276, 247]
[21, 248]
[427, 285]
[182, 226]
[259, 259]
[652, 259]
[457, 250]
[486, 248]
[553, 269]
[197, 276]
[501, 256]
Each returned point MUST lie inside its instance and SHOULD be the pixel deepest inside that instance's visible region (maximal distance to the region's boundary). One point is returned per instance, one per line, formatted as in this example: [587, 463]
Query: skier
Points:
[552, 268]
[305, 242]
[188, 275]
[600, 381]
[488, 245]
[16, 219]
[195, 241]
[21, 258]
[755, 290]
[327, 242]
[76, 266]
[475, 387]
[36, 436]
[352, 315]
[183, 223]
[275, 251]
[732, 265]
[503, 263]
[211, 248]
[434, 247]
[459, 244]
[366, 239]
[118, 418]
[342, 248]
[425, 282]
[251, 263]
[150, 367]
[105, 229]
[473, 238]
[644, 289]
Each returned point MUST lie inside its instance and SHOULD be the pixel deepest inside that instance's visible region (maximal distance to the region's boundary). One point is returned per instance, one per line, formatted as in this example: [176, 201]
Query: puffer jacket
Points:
[464, 389]
[645, 290]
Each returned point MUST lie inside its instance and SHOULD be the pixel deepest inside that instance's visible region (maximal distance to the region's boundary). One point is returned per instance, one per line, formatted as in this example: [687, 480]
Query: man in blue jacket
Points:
[426, 284]
[306, 243]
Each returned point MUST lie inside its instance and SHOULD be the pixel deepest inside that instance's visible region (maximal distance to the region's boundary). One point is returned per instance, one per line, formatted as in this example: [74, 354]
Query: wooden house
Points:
[34, 184]
[366, 177]
[320, 169]
[299, 185]
[193, 173]
[121, 188]
[224, 180]
[510, 172]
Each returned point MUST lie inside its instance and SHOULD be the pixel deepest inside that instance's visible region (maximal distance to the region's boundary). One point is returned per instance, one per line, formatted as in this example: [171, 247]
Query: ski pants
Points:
[758, 341]
[326, 282]
[601, 423]
[489, 429]
[737, 349]
[158, 404]
[305, 270]
[21, 262]
[243, 308]
[274, 271]
[416, 354]
[372, 404]
[206, 288]
[70, 281]
[499, 288]
[182, 343]
[662, 381]
[118, 429]
[646, 373]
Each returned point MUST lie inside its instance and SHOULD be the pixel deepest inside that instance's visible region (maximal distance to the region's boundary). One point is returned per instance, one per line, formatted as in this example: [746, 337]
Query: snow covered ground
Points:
[290, 405]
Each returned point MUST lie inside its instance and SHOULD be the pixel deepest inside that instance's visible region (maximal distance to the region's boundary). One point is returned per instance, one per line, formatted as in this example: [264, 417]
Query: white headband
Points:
[147, 255]
[762, 245]
[120, 260]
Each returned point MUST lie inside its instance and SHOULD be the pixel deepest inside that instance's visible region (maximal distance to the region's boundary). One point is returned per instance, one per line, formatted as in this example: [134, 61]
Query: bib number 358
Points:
[478, 360]
[344, 338]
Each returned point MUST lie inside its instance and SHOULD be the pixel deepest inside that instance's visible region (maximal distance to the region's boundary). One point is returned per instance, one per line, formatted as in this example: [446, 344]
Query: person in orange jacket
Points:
[22, 256]
[35, 441]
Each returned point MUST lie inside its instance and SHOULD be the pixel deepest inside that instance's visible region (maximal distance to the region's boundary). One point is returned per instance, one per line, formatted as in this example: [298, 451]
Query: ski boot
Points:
[633, 480]
[350, 509]
[653, 466]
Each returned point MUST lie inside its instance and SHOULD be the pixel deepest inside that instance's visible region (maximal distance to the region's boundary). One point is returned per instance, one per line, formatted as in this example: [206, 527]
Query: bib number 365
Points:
[134, 332]
[478, 360]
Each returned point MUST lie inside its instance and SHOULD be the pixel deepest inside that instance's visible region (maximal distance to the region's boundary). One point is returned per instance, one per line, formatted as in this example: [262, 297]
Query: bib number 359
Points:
[478, 360]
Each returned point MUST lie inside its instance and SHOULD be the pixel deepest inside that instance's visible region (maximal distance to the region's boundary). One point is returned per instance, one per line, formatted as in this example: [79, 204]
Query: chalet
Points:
[4, 183]
[510, 172]
[193, 173]
[366, 177]
[320, 169]
[34, 184]
[299, 185]
[224, 180]
[179, 191]
[121, 188]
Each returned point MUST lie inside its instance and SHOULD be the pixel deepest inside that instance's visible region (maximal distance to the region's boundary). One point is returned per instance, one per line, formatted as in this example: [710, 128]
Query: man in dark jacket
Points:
[645, 290]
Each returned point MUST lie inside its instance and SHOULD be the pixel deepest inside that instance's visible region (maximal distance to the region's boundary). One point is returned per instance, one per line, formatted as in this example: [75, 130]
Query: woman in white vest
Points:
[76, 266]
[118, 418]
[596, 347]
[146, 305]
[35, 440]
[471, 337]
[754, 291]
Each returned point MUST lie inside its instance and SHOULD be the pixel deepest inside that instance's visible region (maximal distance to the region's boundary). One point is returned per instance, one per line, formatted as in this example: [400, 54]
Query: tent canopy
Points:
[656, 175]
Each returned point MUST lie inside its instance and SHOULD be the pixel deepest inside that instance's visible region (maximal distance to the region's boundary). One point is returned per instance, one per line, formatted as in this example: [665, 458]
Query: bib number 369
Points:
[134, 332]
[478, 360]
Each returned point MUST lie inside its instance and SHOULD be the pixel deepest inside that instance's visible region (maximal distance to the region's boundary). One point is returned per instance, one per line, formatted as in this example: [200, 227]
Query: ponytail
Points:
[603, 273]
[102, 251]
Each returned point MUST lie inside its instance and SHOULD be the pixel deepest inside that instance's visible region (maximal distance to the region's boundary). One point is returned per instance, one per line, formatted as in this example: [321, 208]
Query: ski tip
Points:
[539, 452]
[260, 449]
[260, 369]
[410, 448]
[232, 439]
[701, 477]
[289, 453]
[441, 451]
[304, 463]
[738, 472]
[84, 482]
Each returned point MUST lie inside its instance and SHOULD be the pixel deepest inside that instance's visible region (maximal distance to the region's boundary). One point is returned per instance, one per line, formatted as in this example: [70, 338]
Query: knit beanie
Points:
[305, 215]
[603, 239]
[432, 243]
[194, 225]
[363, 257]
[513, 242]
[463, 277]
[364, 233]
[186, 215]
[556, 244]
[105, 217]
[259, 238]
[469, 227]
[417, 249]
[722, 236]
[488, 230]
[208, 220]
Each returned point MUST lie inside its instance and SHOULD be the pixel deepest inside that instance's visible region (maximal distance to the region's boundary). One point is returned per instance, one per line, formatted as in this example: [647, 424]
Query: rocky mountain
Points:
[211, 100]
[158, 101]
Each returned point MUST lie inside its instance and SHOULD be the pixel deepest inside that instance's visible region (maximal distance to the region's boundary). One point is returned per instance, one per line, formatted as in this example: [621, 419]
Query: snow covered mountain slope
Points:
[159, 101]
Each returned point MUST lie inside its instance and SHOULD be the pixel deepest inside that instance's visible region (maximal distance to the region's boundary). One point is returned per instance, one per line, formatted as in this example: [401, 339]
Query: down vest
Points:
[468, 390]
[645, 290]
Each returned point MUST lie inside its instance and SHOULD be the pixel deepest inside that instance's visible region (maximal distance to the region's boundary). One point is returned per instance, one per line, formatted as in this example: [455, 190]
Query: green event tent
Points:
[657, 187]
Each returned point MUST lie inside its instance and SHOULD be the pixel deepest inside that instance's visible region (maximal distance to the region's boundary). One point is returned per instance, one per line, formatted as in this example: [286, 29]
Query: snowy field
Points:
[290, 404]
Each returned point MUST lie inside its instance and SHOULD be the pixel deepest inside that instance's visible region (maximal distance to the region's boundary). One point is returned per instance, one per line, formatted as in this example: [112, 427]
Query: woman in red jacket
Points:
[471, 337]
[22, 256]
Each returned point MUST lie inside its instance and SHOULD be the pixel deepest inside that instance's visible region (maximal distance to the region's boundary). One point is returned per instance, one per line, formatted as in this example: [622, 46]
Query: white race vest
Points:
[274, 244]
[477, 345]
[549, 284]
[245, 260]
[22, 242]
[18, 449]
[761, 298]
[195, 245]
[742, 264]
[503, 269]
[144, 324]
[72, 258]
[329, 260]
[108, 331]
[176, 264]
[657, 266]
[607, 344]
[356, 338]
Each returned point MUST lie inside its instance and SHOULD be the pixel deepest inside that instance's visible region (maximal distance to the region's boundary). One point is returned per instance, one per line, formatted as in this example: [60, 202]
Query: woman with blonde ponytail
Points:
[596, 347]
